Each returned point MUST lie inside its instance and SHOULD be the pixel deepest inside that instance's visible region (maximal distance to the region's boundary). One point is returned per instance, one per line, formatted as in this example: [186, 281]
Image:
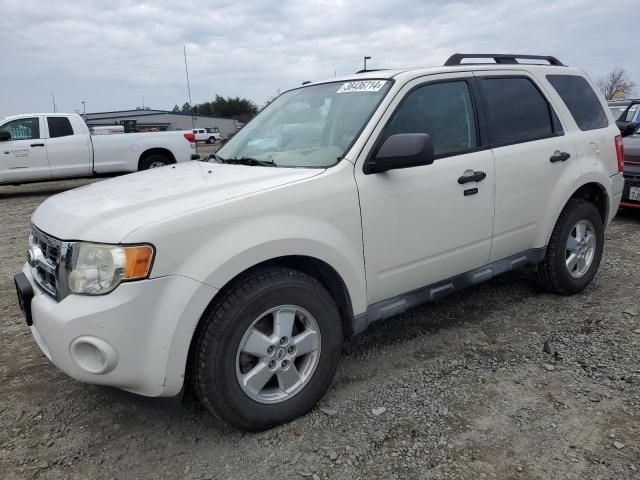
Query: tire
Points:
[219, 365]
[154, 161]
[211, 140]
[557, 273]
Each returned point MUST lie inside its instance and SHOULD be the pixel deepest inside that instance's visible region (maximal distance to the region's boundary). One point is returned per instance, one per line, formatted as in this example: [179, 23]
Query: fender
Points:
[566, 188]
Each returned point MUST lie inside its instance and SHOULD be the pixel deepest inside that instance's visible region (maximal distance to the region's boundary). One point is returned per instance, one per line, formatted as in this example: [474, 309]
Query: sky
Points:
[110, 53]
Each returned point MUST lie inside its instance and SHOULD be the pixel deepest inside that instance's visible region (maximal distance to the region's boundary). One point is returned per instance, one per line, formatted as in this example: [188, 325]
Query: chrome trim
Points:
[49, 260]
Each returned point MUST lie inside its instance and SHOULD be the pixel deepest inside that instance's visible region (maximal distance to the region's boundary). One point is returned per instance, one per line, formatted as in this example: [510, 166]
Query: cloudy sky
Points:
[111, 53]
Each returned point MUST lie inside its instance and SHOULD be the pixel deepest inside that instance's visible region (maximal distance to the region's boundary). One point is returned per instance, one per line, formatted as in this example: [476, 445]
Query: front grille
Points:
[630, 181]
[44, 260]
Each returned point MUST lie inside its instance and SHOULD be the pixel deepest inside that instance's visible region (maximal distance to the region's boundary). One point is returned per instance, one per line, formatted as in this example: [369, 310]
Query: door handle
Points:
[474, 177]
[559, 156]
[37, 144]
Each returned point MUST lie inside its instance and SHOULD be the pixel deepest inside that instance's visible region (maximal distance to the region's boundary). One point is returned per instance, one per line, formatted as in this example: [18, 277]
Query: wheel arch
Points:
[156, 151]
[591, 190]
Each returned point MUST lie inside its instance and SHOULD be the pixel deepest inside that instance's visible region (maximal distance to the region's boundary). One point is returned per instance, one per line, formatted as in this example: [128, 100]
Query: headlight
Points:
[98, 269]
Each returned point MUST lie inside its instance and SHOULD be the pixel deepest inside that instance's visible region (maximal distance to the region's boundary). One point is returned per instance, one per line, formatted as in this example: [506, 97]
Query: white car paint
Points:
[81, 154]
[384, 234]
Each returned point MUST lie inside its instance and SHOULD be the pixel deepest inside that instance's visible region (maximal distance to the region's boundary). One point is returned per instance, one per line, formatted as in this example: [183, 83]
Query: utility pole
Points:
[186, 69]
[53, 99]
[365, 62]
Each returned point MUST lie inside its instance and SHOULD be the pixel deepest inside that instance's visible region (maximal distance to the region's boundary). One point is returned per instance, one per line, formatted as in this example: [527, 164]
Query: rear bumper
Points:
[617, 189]
[631, 180]
[135, 338]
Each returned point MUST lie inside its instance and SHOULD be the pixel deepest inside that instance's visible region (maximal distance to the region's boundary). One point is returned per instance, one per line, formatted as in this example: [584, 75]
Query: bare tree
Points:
[616, 84]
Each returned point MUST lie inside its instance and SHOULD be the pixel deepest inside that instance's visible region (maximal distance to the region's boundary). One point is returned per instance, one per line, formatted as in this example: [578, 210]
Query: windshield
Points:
[308, 127]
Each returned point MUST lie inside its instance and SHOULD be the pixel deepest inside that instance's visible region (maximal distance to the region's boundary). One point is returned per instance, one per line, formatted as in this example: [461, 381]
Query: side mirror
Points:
[4, 136]
[403, 150]
[627, 128]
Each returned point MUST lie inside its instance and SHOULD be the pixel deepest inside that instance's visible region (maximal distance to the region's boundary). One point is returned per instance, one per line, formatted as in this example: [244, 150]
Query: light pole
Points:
[84, 108]
[365, 62]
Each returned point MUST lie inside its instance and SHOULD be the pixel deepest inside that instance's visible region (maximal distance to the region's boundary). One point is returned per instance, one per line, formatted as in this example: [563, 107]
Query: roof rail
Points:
[502, 58]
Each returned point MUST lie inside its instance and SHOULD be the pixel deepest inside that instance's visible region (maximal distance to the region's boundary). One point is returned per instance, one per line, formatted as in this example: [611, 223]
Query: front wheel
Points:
[268, 350]
[574, 251]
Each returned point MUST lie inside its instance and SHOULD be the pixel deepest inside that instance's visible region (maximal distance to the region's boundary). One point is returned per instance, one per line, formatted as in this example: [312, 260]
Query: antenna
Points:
[53, 99]
[186, 69]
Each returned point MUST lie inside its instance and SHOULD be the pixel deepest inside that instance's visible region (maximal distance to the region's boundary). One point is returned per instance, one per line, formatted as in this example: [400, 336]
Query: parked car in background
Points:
[244, 275]
[631, 194]
[627, 114]
[50, 146]
[209, 135]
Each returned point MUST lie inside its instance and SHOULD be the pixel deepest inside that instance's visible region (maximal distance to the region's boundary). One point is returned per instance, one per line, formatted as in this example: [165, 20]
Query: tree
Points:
[176, 108]
[229, 107]
[186, 108]
[616, 84]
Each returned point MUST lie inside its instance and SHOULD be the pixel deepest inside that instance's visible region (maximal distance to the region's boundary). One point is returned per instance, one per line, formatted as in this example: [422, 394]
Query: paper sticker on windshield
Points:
[362, 86]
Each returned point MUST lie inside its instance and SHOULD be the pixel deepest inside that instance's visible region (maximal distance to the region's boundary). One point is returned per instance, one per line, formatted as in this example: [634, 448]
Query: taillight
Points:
[620, 153]
[191, 137]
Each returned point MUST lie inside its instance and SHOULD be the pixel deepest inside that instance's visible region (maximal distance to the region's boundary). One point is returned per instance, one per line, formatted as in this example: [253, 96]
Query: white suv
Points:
[342, 203]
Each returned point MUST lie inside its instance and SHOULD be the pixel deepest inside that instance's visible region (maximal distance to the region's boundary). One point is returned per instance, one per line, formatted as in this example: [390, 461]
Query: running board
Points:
[396, 305]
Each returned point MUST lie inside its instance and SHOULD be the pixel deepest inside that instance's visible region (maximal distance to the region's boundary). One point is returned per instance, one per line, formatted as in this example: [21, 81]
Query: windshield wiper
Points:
[248, 161]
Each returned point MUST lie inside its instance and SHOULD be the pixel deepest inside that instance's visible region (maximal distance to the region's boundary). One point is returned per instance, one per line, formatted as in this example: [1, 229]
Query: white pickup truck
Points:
[48, 146]
[209, 135]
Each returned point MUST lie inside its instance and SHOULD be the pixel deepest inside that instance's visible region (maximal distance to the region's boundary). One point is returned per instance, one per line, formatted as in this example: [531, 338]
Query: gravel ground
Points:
[457, 389]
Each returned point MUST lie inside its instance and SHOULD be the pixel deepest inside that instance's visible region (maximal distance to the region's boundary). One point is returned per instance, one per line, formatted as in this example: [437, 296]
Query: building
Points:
[144, 120]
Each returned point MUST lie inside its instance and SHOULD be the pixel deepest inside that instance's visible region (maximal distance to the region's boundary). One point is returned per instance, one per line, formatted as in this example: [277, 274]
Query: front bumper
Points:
[135, 338]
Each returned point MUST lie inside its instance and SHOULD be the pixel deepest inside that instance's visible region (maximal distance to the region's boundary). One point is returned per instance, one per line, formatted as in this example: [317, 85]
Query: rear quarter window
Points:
[581, 100]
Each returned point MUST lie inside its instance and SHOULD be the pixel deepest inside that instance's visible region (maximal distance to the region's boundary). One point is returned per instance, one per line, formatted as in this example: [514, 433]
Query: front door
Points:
[24, 156]
[422, 225]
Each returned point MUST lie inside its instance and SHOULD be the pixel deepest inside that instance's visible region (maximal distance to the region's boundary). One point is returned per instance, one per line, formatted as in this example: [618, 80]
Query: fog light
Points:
[93, 355]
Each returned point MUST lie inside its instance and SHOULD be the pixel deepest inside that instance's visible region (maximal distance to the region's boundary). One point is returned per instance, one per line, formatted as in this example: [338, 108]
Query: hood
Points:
[107, 211]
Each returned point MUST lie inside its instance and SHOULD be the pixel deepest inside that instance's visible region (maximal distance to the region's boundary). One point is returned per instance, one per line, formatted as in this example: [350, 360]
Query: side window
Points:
[581, 101]
[59, 127]
[442, 110]
[631, 113]
[23, 129]
[517, 111]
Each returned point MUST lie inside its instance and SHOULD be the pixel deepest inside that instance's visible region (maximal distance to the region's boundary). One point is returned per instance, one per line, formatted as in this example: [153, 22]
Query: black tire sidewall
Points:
[582, 211]
[217, 380]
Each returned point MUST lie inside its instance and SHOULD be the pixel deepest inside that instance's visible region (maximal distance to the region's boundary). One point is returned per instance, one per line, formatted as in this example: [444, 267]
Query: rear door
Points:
[68, 147]
[24, 156]
[531, 151]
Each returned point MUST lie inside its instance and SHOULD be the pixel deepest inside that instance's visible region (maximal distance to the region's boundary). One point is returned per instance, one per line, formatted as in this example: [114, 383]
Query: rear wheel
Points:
[211, 140]
[154, 161]
[268, 350]
[575, 249]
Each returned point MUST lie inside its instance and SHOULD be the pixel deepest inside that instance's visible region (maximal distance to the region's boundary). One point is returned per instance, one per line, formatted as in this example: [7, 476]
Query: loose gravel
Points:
[498, 381]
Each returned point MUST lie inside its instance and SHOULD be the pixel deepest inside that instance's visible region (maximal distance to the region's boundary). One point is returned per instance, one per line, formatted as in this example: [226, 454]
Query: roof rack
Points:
[372, 70]
[501, 58]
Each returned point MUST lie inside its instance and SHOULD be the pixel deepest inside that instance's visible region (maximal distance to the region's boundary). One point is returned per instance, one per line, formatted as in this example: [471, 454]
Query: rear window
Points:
[517, 111]
[59, 127]
[581, 101]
